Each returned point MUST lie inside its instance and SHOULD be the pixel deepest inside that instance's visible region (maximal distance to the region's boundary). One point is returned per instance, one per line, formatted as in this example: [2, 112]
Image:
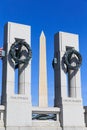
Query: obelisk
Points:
[43, 95]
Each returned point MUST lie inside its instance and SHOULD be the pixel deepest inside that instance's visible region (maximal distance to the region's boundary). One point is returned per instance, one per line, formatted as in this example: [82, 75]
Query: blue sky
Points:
[50, 16]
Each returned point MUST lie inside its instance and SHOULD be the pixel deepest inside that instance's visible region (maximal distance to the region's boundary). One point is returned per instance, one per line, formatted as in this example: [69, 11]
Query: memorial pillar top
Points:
[63, 40]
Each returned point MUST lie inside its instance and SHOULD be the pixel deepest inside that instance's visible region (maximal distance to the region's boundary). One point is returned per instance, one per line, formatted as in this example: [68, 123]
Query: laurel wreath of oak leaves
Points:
[68, 56]
[15, 52]
[66, 60]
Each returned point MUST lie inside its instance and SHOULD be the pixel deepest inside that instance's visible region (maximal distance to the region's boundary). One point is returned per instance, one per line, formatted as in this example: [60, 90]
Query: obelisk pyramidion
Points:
[43, 96]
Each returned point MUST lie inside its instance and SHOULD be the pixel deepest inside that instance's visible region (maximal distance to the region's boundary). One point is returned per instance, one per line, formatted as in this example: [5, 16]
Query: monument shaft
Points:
[43, 99]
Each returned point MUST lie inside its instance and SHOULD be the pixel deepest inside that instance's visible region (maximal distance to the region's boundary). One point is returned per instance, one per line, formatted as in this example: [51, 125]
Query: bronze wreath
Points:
[15, 52]
[67, 58]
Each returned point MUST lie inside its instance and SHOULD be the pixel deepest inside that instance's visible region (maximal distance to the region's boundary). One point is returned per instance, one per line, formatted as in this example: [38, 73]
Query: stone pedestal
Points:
[17, 106]
[67, 86]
